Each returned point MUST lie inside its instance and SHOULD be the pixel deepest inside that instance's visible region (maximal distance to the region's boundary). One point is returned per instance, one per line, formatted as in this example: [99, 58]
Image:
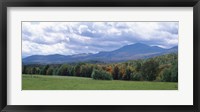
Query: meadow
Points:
[41, 82]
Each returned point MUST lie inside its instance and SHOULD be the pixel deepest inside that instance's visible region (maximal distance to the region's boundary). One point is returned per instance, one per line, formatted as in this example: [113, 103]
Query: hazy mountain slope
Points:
[128, 52]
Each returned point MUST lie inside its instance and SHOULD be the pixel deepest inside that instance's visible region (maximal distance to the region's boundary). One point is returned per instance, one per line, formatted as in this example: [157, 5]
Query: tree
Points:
[50, 71]
[101, 75]
[29, 70]
[122, 72]
[116, 72]
[174, 70]
[63, 70]
[77, 69]
[149, 70]
[71, 70]
[83, 70]
[135, 76]
[138, 66]
[24, 69]
[86, 70]
[127, 76]
[44, 69]
[109, 69]
[166, 77]
[33, 70]
[55, 70]
[171, 74]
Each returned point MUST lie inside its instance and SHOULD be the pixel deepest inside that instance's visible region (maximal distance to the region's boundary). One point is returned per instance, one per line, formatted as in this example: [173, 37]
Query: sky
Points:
[68, 38]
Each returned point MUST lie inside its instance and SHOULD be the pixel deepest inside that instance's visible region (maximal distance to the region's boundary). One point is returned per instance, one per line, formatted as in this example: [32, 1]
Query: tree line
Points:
[161, 68]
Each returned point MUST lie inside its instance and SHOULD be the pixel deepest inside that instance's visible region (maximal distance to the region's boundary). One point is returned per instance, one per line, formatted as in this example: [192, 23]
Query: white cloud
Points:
[90, 37]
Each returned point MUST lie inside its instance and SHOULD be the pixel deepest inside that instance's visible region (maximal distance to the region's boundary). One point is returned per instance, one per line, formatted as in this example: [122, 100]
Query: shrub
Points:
[101, 75]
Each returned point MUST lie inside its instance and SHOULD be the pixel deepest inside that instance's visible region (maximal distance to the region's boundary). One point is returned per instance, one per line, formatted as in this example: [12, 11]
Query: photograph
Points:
[93, 55]
[99, 55]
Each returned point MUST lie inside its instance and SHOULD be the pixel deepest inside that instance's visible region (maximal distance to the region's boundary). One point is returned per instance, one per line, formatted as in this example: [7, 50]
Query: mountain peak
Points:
[141, 44]
[55, 55]
[136, 45]
[127, 52]
[175, 47]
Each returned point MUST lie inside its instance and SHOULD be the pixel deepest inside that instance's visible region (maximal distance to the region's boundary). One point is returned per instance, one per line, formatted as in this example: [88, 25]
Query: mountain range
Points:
[128, 52]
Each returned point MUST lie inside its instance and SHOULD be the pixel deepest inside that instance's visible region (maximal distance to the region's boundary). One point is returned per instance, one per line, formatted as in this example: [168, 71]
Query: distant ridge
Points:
[128, 52]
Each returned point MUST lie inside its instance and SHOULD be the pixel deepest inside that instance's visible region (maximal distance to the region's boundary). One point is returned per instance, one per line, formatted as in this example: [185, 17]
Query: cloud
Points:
[69, 38]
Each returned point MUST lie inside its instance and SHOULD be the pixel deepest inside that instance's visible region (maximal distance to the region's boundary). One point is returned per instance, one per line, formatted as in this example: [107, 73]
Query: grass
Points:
[39, 82]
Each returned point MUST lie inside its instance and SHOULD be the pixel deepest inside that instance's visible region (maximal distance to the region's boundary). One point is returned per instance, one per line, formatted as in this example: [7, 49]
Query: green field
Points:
[39, 82]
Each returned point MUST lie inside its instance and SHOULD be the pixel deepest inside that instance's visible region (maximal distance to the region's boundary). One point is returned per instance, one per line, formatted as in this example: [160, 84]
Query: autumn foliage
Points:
[160, 68]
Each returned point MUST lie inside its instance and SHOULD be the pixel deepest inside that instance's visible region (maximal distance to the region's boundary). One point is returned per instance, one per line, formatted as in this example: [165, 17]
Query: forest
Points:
[162, 68]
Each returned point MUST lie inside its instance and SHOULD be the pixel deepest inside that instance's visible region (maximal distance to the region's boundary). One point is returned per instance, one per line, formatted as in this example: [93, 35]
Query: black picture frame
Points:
[99, 3]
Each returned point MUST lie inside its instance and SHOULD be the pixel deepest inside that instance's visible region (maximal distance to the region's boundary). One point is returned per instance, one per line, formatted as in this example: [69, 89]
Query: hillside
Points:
[125, 53]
